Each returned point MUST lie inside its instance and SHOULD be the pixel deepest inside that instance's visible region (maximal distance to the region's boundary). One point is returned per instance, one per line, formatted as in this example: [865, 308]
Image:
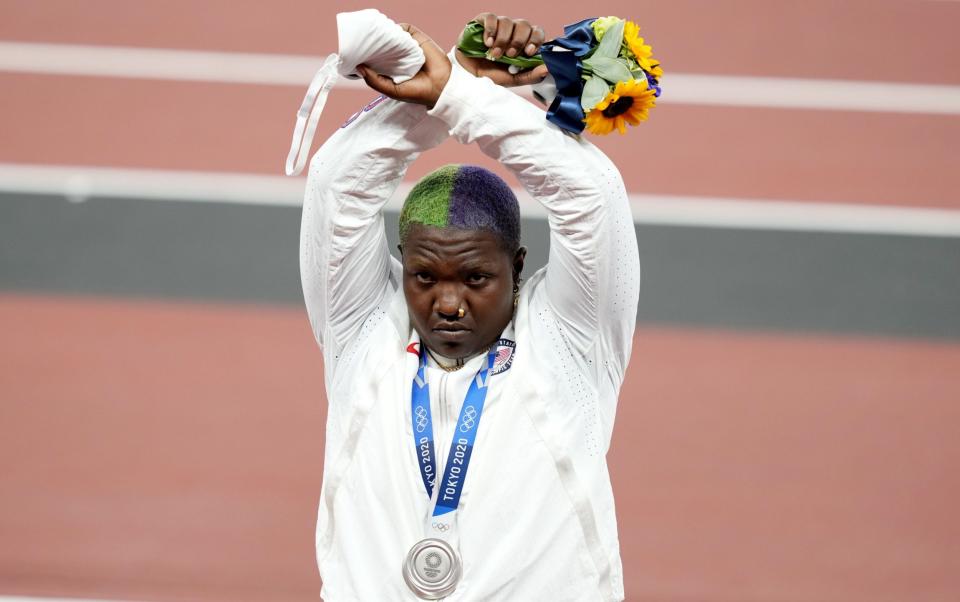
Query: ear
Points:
[518, 263]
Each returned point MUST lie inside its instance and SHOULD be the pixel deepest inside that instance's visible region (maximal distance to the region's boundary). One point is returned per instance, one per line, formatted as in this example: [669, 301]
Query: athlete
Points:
[469, 411]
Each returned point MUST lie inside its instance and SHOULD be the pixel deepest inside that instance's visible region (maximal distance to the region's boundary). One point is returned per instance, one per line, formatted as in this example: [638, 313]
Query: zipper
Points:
[441, 431]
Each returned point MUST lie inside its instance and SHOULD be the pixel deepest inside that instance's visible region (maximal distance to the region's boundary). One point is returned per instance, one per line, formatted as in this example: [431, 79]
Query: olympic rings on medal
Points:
[469, 419]
[421, 419]
[442, 527]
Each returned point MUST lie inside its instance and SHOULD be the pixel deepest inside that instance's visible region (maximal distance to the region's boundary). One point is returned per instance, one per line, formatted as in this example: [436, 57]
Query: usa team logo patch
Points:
[504, 358]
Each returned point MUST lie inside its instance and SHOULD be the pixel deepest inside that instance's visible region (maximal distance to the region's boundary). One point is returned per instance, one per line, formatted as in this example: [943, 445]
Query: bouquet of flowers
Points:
[605, 74]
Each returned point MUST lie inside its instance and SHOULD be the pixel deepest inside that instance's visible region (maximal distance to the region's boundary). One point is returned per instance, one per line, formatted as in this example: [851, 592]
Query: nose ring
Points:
[460, 312]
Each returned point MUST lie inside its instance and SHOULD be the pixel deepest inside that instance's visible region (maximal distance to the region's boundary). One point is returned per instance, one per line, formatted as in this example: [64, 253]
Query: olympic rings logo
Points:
[421, 419]
[469, 419]
[442, 527]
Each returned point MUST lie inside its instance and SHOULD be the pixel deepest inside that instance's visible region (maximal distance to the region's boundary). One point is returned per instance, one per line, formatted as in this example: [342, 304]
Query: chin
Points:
[451, 348]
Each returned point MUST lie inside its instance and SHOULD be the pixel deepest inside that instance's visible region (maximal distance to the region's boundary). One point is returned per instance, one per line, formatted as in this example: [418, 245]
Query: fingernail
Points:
[531, 49]
[489, 41]
[511, 52]
[496, 53]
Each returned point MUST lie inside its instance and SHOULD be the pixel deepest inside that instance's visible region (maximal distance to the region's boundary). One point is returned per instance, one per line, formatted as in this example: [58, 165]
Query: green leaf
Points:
[594, 91]
[609, 45]
[612, 70]
[638, 74]
[471, 40]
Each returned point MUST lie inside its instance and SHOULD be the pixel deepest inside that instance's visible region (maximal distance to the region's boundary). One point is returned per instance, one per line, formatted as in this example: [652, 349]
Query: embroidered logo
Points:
[366, 108]
[504, 359]
[413, 348]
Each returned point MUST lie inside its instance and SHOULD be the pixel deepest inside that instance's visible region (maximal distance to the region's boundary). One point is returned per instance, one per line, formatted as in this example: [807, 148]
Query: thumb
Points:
[533, 76]
[379, 83]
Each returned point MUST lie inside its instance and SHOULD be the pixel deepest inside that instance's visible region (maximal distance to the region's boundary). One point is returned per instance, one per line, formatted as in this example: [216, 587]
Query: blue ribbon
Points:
[567, 69]
[464, 437]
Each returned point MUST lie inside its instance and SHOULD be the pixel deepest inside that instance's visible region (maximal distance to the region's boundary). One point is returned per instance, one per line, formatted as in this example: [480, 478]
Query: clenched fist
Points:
[504, 36]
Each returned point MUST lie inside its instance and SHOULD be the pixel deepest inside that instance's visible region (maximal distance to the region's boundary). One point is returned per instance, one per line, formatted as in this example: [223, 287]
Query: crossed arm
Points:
[592, 277]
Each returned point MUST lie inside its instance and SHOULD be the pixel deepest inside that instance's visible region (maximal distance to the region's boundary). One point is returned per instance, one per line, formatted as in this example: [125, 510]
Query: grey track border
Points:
[822, 282]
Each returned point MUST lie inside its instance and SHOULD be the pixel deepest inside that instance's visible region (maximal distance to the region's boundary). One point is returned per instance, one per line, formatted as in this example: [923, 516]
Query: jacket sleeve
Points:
[593, 273]
[344, 260]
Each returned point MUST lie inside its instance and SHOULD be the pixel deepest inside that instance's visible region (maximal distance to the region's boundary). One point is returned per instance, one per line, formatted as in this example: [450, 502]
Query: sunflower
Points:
[629, 102]
[641, 50]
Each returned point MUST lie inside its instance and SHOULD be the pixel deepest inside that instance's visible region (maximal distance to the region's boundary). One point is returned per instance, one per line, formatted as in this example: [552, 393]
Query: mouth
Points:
[451, 332]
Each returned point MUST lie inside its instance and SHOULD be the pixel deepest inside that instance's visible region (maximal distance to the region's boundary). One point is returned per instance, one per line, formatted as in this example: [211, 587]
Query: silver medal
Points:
[432, 569]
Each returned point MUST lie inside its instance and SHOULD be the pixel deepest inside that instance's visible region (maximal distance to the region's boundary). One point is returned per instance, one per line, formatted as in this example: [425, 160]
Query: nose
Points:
[448, 301]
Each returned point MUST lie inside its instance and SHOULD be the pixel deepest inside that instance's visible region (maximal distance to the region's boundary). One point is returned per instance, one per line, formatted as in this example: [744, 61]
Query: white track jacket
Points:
[536, 518]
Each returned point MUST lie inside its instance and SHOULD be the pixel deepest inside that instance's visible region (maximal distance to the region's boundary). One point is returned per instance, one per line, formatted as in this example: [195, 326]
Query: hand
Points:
[424, 87]
[506, 36]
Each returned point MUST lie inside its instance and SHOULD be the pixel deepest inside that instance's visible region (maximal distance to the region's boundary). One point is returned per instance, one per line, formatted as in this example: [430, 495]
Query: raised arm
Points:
[344, 259]
[593, 274]
[592, 279]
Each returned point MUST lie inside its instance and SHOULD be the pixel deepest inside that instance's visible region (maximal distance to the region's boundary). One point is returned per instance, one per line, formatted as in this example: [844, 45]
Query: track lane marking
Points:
[297, 70]
[77, 184]
[42, 599]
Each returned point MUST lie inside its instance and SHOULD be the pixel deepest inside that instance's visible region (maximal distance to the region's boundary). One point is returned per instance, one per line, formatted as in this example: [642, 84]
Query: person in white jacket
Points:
[469, 413]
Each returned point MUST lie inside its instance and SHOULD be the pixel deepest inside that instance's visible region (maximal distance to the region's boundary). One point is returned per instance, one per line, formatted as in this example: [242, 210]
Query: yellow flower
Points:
[641, 51]
[630, 102]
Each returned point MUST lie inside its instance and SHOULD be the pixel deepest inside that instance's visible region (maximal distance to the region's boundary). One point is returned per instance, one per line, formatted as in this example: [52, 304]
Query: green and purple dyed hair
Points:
[467, 197]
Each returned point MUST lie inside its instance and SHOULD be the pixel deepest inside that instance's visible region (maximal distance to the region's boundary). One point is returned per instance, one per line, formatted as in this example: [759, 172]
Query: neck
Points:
[451, 363]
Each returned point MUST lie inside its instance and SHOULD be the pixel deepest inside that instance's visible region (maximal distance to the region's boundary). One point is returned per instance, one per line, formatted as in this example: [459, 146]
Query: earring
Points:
[516, 294]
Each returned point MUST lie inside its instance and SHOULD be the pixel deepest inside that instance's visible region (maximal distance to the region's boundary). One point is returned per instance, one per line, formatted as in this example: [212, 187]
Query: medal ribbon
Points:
[464, 435]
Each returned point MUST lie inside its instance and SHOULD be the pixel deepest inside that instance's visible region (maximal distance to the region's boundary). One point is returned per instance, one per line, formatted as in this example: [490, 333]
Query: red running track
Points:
[173, 451]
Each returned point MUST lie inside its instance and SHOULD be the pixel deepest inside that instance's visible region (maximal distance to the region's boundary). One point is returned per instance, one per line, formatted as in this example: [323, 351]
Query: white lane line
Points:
[158, 63]
[792, 93]
[77, 184]
[759, 214]
[297, 70]
[36, 599]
